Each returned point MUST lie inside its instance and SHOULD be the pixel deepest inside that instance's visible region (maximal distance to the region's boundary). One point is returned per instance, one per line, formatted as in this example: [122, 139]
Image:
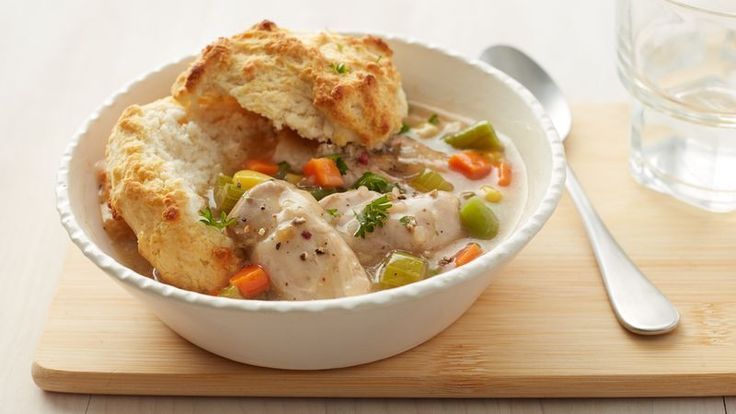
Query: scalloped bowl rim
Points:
[511, 245]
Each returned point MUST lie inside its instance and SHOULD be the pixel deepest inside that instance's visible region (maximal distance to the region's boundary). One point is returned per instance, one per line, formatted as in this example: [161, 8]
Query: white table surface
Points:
[60, 60]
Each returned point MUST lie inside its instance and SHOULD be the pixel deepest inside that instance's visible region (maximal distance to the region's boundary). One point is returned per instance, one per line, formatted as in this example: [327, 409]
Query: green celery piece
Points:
[480, 136]
[223, 179]
[430, 180]
[402, 268]
[227, 196]
[478, 219]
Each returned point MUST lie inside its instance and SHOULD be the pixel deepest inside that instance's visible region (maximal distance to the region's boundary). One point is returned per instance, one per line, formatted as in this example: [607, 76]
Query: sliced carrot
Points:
[471, 164]
[262, 166]
[324, 172]
[504, 174]
[251, 281]
[467, 254]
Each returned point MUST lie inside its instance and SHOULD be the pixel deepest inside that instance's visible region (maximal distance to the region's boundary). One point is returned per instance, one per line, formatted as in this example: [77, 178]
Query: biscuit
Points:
[325, 86]
[160, 164]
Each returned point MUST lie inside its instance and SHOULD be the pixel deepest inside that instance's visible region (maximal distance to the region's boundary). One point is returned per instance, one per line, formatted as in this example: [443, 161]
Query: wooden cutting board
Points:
[543, 329]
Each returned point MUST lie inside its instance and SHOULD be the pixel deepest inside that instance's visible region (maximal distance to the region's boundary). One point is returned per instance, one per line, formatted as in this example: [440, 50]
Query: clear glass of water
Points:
[678, 60]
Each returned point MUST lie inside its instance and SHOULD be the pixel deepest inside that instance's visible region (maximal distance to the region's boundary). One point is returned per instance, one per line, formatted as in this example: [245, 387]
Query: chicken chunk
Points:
[285, 230]
[405, 157]
[432, 221]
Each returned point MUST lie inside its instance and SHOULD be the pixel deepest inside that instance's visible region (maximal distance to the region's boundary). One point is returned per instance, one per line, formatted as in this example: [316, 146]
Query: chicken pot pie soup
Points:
[291, 167]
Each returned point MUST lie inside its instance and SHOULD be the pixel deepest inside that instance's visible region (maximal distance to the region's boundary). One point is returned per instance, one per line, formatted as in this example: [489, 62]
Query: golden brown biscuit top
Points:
[325, 86]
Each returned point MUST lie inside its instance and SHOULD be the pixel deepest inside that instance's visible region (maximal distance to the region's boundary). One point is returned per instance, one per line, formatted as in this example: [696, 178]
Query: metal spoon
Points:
[639, 306]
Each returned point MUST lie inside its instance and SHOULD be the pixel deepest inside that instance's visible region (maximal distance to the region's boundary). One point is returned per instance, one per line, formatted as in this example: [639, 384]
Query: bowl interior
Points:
[429, 76]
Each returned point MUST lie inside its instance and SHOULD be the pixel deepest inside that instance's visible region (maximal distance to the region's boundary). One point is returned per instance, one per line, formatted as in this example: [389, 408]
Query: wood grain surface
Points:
[61, 60]
[543, 329]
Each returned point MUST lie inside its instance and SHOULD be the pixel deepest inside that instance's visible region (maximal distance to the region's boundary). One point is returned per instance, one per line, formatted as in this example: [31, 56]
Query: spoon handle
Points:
[639, 306]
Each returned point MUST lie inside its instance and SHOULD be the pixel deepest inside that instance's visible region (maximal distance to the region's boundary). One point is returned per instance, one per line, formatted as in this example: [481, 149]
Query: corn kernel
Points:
[491, 194]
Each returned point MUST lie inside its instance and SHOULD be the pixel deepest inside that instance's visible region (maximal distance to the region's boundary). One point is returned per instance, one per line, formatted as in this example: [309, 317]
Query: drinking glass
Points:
[677, 58]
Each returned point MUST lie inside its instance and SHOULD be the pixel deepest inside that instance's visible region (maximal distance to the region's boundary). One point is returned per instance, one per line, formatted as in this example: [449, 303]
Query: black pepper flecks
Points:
[319, 251]
[303, 256]
[306, 235]
[278, 245]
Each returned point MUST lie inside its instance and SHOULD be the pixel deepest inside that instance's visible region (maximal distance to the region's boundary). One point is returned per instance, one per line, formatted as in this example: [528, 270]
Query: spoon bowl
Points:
[521, 67]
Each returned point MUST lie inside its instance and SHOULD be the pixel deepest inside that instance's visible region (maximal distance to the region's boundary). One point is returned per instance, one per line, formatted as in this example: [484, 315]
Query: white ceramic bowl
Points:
[341, 332]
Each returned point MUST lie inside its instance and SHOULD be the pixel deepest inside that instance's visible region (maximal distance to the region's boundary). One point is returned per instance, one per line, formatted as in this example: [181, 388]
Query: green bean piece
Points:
[480, 136]
[231, 292]
[402, 268]
[478, 219]
[430, 180]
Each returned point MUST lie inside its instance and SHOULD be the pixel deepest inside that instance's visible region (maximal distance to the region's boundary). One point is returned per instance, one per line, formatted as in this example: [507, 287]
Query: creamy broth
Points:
[508, 210]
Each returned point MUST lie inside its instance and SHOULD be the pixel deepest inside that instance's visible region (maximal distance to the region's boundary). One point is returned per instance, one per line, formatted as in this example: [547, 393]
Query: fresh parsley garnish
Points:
[404, 128]
[339, 68]
[333, 212]
[206, 217]
[408, 221]
[374, 182]
[319, 193]
[341, 165]
[373, 215]
[284, 168]
[434, 119]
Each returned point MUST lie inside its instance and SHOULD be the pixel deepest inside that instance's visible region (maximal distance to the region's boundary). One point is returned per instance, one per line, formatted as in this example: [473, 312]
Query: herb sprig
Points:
[284, 168]
[339, 68]
[374, 182]
[342, 166]
[408, 221]
[206, 217]
[374, 214]
[434, 119]
[404, 128]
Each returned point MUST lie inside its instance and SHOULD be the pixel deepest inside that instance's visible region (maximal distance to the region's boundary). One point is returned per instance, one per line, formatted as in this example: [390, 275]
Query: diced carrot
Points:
[467, 254]
[324, 172]
[251, 281]
[262, 166]
[471, 164]
[504, 174]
